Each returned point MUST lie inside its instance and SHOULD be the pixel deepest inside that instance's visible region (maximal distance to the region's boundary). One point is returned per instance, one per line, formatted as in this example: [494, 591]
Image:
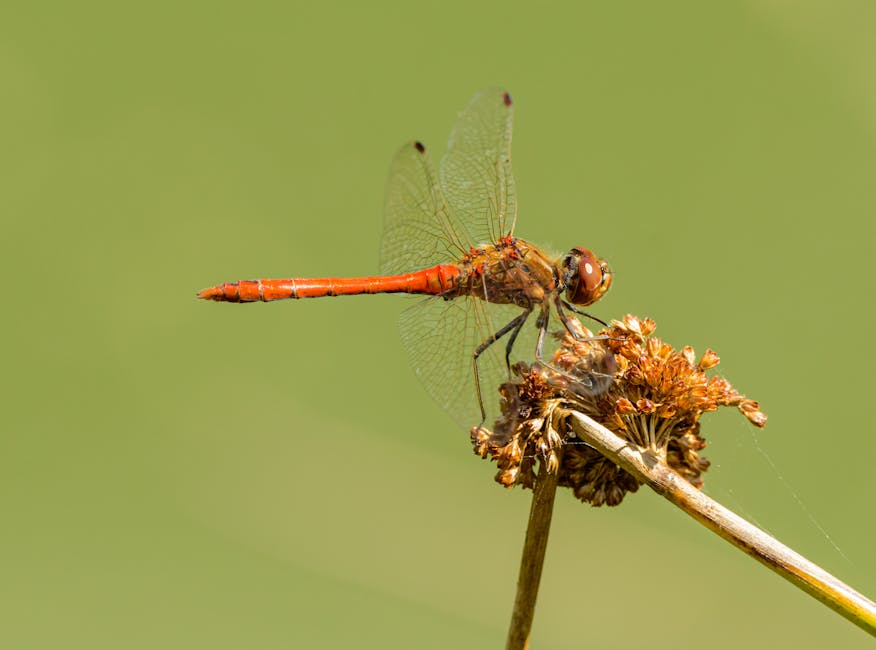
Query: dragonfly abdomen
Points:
[435, 280]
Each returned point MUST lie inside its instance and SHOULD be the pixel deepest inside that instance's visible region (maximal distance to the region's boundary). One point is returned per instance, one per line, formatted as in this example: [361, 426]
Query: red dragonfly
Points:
[450, 235]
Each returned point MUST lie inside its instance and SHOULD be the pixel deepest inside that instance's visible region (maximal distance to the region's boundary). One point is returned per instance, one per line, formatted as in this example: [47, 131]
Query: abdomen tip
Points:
[213, 293]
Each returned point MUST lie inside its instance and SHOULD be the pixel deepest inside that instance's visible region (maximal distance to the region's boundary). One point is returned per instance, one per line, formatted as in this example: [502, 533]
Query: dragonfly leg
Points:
[510, 345]
[581, 381]
[514, 327]
[565, 318]
[542, 325]
[575, 309]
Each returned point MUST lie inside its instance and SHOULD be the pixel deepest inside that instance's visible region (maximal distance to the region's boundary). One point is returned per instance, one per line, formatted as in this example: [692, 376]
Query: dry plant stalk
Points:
[750, 539]
[532, 561]
[622, 409]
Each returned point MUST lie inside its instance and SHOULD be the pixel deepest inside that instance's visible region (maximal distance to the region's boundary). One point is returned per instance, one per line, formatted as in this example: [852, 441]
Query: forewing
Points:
[428, 221]
[418, 231]
[476, 175]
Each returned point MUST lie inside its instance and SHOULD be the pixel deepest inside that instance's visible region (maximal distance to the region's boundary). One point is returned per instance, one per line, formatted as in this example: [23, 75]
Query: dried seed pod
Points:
[633, 383]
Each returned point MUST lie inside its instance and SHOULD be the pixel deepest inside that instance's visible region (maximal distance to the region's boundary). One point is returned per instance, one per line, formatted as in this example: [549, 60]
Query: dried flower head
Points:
[639, 387]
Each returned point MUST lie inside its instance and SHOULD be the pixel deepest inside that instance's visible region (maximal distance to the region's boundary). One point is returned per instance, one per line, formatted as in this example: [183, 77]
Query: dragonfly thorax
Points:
[509, 272]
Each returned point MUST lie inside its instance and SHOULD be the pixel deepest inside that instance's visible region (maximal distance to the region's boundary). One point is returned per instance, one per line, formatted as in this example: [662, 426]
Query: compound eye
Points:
[593, 279]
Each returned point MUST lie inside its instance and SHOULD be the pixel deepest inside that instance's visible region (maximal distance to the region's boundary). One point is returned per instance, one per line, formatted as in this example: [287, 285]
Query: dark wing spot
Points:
[506, 98]
[419, 147]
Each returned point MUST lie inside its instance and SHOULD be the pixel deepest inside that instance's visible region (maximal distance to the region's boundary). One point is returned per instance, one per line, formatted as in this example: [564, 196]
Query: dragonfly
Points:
[449, 235]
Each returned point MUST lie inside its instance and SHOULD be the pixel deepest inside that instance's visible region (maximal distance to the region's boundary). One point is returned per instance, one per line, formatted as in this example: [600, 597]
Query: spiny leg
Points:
[575, 309]
[542, 324]
[561, 304]
[514, 325]
[510, 345]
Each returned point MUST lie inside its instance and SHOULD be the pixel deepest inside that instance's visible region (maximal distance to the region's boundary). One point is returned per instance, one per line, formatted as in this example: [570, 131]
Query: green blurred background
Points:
[177, 474]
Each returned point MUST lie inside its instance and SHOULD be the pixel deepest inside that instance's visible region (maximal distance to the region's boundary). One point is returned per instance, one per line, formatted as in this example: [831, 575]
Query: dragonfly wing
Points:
[440, 337]
[476, 175]
[432, 218]
[418, 229]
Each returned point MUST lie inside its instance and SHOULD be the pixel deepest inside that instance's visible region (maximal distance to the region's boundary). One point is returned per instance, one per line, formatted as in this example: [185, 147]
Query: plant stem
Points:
[794, 568]
[531, 563]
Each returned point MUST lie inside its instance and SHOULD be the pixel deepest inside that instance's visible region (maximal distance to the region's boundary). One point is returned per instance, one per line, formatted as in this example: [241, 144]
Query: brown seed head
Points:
[624, 378]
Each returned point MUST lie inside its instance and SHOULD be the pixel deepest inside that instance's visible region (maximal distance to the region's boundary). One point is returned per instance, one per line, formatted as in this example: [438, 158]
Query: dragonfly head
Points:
[585, 277]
